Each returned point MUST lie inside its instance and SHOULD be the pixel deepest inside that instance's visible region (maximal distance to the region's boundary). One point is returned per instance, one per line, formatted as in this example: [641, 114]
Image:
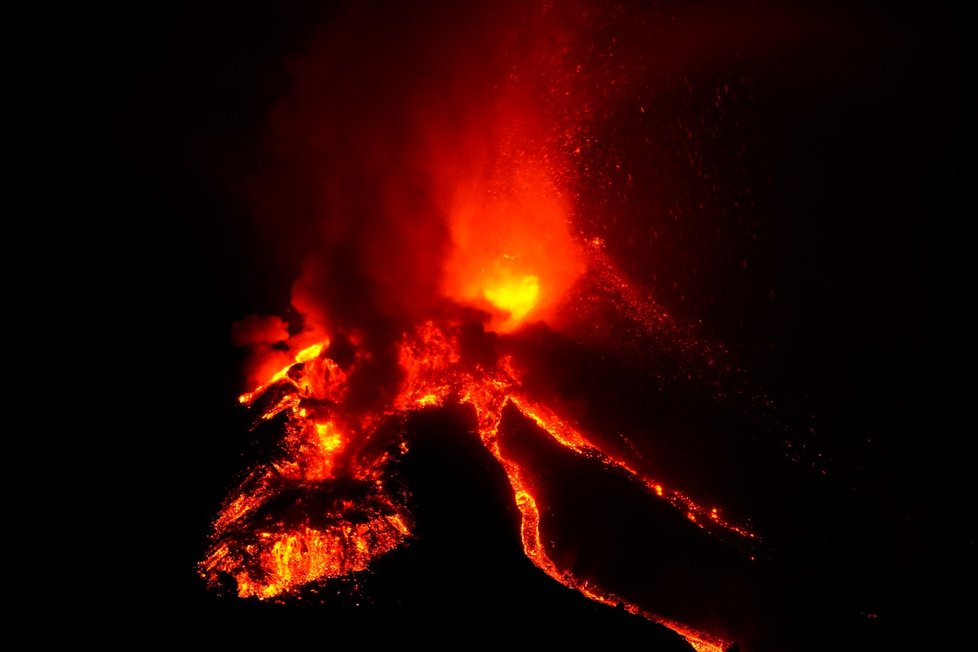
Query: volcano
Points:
[326, 500]
[578, 318]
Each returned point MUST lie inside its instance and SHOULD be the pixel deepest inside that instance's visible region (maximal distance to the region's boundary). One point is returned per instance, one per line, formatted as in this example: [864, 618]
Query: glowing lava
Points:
[325, 504]
[515, 297]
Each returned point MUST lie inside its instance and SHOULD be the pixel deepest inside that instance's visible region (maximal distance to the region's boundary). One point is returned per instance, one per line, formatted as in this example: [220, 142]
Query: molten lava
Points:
[326, 504]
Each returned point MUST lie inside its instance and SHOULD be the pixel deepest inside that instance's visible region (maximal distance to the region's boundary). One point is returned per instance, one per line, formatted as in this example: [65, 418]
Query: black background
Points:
[857, 149]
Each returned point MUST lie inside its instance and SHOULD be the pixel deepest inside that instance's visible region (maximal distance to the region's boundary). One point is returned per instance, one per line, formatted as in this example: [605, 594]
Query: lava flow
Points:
[327, 503]
[445, 228]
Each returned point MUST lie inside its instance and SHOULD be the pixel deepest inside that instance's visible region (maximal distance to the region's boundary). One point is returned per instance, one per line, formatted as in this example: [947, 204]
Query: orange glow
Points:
[267, 562]
[329, 440]
[305, 355]
[515, 297]
[309, 353]
[291, 559]
[512, 253]
[700, 641]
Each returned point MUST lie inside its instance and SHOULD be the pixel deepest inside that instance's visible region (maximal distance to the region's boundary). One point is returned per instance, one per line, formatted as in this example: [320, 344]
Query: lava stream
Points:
[325, 506]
